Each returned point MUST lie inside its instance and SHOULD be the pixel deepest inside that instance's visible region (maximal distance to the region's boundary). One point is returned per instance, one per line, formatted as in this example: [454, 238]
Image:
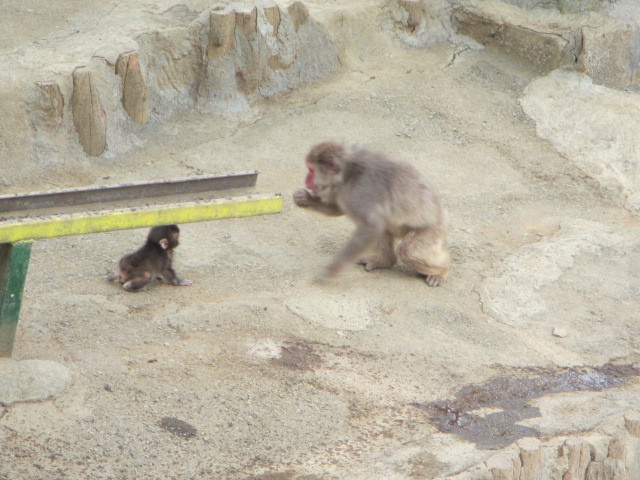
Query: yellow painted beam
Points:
[104, 221]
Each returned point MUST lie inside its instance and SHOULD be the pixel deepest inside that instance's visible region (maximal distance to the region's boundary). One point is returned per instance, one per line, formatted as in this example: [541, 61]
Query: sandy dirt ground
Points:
[277, 378]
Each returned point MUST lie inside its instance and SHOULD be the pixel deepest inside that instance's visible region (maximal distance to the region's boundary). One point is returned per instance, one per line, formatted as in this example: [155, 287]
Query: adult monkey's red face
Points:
[321, 163]
[309, 181]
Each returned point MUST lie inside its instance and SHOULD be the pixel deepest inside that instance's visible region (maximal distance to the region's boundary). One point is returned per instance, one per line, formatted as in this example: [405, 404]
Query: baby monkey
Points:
[152, 260]
[398, 214]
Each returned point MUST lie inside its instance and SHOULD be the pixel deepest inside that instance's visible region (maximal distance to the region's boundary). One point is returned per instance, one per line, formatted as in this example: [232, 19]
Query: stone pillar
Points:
[530, 458]
[273, 16]
[504, 466]
[222, 37]
[299, 14]
[56, 100]
[415, 10]
[89, 118]
[578, 453]
[135, 95]
[632, 423]
[247, 21]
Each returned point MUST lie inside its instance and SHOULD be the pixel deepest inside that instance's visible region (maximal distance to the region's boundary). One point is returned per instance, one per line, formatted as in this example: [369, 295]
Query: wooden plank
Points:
[14, 262]
[104, 221]
[129, 191]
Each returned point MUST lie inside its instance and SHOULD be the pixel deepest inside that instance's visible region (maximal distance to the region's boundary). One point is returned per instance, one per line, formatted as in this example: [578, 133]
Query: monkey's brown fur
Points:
[152, 260]
[395, 210]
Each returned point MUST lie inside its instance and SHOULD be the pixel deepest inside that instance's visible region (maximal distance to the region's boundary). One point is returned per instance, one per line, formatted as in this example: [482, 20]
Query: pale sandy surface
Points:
[283, 379]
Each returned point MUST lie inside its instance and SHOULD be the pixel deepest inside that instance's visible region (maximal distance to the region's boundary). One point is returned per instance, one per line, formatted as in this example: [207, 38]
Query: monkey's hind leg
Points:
[383, 256]
[117, 277]
[424, 251]
[137, 282]
[170, 276]
[361, 239]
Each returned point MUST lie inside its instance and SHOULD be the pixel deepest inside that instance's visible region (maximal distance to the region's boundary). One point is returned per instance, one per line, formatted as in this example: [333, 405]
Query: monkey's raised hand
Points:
[305, 199]
[302, 198]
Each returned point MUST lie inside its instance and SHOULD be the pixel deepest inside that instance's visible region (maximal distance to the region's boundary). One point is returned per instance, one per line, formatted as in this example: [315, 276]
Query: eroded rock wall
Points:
[92, 95]
[268, 52]
[595, 456]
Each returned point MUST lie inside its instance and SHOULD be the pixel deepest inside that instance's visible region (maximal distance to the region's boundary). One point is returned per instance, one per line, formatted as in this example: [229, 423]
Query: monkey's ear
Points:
[326, 159]
[164, 243]
[333, 166]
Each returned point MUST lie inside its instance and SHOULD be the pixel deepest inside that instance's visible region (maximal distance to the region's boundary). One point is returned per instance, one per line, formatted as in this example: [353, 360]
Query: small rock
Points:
[559, 332]
[31, 380]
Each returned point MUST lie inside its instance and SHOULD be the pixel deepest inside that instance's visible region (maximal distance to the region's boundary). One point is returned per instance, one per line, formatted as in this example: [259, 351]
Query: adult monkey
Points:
[394, 207]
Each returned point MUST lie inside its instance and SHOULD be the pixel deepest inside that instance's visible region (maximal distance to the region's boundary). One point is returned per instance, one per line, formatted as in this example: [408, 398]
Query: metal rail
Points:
[122, 219]
[127, 191]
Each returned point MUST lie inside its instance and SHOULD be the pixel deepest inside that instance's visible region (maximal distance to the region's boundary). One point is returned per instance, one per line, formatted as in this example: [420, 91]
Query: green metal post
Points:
[14, 261]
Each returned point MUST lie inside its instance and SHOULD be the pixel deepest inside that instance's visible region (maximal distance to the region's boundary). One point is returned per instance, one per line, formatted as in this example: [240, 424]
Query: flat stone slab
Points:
[547, 42]
[593, 126]
[31, 380]
[604, 47]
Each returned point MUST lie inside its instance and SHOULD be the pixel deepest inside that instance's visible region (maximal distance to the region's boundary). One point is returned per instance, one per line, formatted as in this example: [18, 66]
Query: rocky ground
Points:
[257, 373]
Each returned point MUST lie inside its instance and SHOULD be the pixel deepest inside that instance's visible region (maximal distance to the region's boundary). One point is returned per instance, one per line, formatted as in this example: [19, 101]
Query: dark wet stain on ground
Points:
[510, 395]
[298, 356]
[178, 427]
